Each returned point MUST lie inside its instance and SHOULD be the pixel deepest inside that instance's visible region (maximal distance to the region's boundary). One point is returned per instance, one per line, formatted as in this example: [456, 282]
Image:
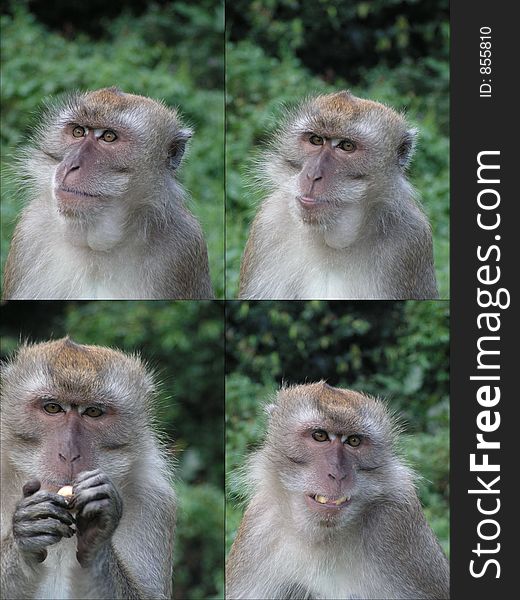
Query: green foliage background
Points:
[173, 52]
[183, 342]
[279, 51]
[394, 350]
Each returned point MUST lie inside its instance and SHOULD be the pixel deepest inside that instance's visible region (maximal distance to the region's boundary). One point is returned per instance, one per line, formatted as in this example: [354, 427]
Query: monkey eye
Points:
[93, 411]
[347, 146]
[109, 136]
[320, 435]
[52, 408]
[316, 140]
[353, 440]
[78, 131]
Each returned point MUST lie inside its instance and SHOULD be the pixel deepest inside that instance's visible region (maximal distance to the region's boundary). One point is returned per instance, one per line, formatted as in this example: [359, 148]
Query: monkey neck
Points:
[346, 229]
[360, 222]
[99, 236]
[101, 232]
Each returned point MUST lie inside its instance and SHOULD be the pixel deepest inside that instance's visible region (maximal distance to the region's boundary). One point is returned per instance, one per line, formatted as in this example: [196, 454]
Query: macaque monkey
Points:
[106, 216]
[79, 416]
[334, 512]
[340, 221]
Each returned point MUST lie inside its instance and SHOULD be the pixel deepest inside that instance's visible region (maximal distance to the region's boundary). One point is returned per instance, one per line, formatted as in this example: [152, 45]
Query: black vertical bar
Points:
[484, 118]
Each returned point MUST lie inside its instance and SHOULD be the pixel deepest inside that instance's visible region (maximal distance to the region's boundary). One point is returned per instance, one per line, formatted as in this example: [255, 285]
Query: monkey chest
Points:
[305, 576]
[330, 274]
[343, 583]
[83, 275]
[61, 574]
[335, 280]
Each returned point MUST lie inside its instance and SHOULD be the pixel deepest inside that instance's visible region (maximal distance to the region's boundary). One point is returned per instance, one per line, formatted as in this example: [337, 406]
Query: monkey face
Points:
[338, 151]
[94, 168]
[333, 456]
[332, 174]
[63, 399]
[94, 147]
[337, 469]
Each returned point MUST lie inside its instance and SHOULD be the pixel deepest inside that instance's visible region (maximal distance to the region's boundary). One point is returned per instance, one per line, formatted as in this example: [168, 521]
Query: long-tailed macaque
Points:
[75, 415]
[334, 512]
[340, 220]
[106, 216]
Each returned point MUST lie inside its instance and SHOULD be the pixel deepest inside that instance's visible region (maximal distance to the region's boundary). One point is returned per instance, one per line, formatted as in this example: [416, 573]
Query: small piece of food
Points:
[66, 491]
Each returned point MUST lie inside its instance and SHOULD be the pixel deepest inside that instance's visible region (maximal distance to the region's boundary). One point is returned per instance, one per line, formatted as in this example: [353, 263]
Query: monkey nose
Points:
[71, 168]
[337, 476]
[70, 458]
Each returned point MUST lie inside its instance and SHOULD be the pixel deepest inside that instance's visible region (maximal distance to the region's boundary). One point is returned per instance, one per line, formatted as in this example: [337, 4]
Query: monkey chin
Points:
[313, 211]
[73, 203]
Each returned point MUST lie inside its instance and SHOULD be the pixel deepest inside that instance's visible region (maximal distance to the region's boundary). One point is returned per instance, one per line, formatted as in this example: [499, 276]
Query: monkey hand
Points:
[99, 509]
[40, 519]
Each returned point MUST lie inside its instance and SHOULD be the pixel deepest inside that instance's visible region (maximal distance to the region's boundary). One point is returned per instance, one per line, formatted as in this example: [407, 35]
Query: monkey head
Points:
[73, 408]
[93, 147]
[339, 150]
[333, 451]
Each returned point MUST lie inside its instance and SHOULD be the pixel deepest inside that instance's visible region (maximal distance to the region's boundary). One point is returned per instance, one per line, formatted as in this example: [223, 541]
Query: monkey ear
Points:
[406, 148]
[178, 146]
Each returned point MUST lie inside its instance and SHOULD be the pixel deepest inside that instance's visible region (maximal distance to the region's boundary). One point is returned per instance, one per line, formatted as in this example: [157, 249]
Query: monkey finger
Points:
[40, 510]
[44, 496]
[30, 487]
[93, 509]
[36, 544]
[93, 480]
[42, 527]
[47, 525]
[99, 492]
[96, 475]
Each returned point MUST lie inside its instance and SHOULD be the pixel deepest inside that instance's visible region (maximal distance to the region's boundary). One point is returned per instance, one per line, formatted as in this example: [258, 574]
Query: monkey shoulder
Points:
[412, 274]
[404, 550]
[283, 566]
[184, 272]
[250, 574]
[405, 254]
[28, 256]
[264, 272]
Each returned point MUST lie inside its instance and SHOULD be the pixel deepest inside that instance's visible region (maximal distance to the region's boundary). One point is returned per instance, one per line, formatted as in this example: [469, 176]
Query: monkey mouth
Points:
[313, 211]
[73, 203]
[63, 192]
[310, 203]
[328, 502]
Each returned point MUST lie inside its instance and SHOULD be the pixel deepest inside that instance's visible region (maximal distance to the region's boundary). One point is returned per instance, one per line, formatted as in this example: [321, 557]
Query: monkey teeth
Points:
[325, 500]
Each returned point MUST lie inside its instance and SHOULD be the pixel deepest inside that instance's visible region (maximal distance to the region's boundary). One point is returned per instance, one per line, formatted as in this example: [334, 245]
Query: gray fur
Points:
[137, 240]
[379, 547]
[128, 552]
[372, 242]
